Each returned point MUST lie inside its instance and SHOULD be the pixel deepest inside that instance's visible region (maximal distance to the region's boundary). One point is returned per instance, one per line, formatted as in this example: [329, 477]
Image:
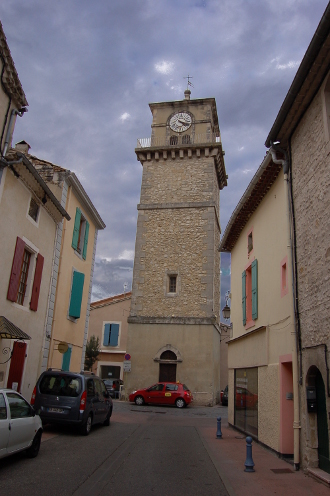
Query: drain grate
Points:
[282, 470]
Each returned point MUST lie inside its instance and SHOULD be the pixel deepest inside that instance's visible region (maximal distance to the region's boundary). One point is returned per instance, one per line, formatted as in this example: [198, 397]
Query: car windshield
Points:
[60, 385]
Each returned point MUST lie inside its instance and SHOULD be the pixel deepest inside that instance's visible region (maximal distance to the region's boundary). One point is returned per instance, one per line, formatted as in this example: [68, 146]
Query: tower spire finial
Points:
[187, 92]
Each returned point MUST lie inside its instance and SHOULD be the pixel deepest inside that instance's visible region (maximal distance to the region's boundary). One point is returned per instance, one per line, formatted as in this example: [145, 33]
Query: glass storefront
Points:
[246, 400]
[110, 372]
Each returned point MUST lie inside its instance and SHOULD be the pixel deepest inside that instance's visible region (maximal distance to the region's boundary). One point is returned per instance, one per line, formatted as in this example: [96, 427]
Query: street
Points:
[146, 450]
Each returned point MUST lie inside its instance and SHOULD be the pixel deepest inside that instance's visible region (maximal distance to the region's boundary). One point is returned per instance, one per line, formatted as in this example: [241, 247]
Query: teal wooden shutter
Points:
[254, 276]
[76, 228]
[114, 334]
[85, 240]
[66, 360]
[106, 335]
[76, 294]
[244, 296]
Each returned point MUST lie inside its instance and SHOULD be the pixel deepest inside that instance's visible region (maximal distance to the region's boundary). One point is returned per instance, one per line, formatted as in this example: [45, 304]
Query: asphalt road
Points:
[145, 450]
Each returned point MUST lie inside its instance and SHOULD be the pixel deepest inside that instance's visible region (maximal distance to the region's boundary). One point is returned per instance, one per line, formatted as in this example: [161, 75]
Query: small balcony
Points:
[174, 140]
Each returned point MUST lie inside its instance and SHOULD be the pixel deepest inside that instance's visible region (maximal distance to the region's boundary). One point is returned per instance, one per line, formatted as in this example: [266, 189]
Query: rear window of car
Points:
[60, 385]
[185, 388]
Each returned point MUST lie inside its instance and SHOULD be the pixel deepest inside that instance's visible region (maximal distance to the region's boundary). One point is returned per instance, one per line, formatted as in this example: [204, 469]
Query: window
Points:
[19, 408]
[172, 284]
[186, 139]
[80, 234]
[111, 334]
[250, 293]
[171, 387]
[34, 210]
[250, 242]
[77, 287]
[173, 140]
[20, 275]
[3, 409]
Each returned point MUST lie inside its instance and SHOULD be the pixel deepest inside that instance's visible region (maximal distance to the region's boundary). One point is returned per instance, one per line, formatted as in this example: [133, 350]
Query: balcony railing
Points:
[186, 139]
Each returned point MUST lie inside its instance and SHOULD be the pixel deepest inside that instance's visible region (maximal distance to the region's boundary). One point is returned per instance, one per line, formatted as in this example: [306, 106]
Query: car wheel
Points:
[87, 426]
[33, 450]
[107, 419]
[180, 403]
[139, 401]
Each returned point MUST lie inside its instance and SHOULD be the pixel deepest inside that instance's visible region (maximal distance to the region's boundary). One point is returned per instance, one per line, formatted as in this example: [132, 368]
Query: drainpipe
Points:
[13, 114]
[294, 344]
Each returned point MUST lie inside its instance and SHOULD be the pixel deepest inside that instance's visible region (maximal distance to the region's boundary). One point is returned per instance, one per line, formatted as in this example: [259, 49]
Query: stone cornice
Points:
[171, 320]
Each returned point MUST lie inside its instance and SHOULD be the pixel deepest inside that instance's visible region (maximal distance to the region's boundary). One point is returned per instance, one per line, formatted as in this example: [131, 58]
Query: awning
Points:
[8, 330]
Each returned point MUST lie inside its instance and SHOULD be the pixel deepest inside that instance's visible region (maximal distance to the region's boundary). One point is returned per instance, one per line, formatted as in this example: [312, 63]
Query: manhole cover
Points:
[282, 470]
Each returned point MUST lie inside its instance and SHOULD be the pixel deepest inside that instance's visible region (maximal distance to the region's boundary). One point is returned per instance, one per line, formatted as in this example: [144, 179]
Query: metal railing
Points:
[186, 139]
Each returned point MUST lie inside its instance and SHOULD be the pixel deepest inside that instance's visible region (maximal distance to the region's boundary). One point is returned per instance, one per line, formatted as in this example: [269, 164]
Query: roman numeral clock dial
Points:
[180, 122]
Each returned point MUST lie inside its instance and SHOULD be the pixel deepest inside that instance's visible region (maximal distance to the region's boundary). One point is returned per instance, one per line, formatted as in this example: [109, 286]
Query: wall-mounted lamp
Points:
[226, 308]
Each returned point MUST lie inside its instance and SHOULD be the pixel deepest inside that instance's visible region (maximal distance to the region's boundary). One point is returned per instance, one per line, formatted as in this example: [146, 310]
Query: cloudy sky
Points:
[89, 68]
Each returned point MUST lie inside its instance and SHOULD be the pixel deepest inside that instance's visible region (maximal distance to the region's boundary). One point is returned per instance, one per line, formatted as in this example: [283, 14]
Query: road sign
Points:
[127, 356]
[127, 366]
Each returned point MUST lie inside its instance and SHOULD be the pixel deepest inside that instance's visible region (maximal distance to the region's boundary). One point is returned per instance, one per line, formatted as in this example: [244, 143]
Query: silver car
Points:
[20, 427]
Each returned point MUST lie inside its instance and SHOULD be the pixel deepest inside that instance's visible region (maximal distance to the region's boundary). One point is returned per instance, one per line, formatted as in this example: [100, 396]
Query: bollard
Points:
[249, 464]
[219, 433]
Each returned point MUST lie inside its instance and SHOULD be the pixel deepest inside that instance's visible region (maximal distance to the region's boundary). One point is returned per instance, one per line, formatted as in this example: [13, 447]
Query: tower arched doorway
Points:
[167, 366]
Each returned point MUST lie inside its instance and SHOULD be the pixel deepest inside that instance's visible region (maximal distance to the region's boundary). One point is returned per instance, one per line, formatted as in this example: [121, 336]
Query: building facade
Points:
[261, 351]
[174, 318]
[108, 322]
[303, 131]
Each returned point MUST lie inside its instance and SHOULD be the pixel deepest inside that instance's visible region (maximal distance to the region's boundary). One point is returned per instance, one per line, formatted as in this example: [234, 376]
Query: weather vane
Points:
[189, 83]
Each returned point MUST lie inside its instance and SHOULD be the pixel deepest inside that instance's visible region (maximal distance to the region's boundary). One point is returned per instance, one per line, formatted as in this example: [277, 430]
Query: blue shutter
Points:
[254, 276]
[66, 360]
[106, 335]
[85, 240]
[76, 294]
[76, 229]
[244, 296]
[114, 334]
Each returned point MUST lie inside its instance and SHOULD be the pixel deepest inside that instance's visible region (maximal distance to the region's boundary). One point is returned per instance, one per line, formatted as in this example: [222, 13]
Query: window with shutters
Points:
[77, 288]
[80, 234]
[111, 332]
[250, 294]
[26, 272]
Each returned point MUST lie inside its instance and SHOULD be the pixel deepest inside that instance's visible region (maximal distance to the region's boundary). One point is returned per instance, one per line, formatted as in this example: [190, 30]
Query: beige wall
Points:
[14, 204]
[272, 338]
[116, 311]
[64, 329]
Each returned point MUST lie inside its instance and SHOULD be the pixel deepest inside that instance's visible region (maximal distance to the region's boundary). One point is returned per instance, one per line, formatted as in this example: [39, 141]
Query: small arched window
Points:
[173, 140]
[168, 355]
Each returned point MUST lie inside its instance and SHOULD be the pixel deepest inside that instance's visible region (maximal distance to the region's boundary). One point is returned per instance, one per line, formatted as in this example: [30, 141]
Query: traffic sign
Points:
[127, 366]
[127, 356]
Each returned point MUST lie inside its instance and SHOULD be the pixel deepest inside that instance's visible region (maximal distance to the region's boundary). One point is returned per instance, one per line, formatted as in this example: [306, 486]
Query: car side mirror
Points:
[33, 412]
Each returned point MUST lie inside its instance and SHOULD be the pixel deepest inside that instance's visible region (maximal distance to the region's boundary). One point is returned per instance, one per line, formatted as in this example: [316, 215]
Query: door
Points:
[322, 424]
[155, 394]
[17, 365]
[167, 372]
[22, 424]
[4, 426]
[171, 393]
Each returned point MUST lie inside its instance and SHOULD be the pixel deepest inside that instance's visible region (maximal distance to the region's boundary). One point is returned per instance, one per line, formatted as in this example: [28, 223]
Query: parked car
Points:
[163, 393]
[20, 427]
[113, 386]
[224, 399]
[79, 399]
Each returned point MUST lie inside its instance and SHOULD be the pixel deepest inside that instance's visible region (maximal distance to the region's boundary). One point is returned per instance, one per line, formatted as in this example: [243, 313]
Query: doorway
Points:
[16, 366]
[167, 372]
[322, 424]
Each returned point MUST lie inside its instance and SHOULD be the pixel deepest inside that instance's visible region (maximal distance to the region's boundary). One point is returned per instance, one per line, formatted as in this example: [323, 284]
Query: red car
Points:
[163, 393]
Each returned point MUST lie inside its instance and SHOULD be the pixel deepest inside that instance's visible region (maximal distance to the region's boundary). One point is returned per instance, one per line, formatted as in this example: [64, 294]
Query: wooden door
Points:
[17, 365]
[167, 372]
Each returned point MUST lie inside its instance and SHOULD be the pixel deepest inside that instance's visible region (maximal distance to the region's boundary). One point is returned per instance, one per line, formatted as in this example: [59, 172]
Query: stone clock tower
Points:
[173, 332]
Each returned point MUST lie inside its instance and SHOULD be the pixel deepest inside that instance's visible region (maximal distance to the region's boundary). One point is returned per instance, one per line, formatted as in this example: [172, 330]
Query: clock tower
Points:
[173, 331]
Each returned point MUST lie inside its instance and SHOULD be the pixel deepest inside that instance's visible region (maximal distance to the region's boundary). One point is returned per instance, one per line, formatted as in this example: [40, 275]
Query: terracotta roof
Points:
[10, 77]
[260, 184]
[111, 300]
[308, 79]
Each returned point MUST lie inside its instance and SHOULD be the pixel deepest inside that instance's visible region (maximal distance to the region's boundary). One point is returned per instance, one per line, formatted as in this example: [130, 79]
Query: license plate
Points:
[55, 410]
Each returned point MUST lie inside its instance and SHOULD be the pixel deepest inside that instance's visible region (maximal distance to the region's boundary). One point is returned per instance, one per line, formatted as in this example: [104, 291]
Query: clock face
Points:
[180, 122]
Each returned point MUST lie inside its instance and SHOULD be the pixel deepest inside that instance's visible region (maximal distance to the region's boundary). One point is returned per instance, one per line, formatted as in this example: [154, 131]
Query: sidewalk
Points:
[272, 475]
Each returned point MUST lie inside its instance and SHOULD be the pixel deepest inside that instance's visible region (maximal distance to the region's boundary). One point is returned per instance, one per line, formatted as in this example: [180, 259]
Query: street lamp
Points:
[226, 308]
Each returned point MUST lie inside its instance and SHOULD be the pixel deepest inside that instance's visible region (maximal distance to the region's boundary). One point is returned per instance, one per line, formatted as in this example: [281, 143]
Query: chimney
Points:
[22, 146]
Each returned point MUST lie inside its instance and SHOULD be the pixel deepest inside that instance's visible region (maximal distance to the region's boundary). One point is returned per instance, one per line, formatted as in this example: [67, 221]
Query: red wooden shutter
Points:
[36, 283]
[16, 270]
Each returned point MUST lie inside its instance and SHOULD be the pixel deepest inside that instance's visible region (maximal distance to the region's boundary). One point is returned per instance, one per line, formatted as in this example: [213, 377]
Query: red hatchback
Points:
[163, 393]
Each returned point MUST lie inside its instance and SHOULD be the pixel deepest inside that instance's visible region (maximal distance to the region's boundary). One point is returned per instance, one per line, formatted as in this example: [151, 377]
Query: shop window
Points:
[246, 400]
